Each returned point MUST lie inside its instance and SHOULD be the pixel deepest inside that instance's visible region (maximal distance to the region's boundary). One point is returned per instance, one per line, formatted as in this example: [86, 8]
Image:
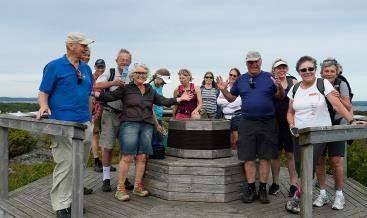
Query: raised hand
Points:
[118, 82]
[221, 84]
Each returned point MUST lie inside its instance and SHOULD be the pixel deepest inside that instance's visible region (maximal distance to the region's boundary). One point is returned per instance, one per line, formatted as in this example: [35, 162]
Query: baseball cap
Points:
[166, 79]
[78, 37]
[279, 62]
[253, 56]
[100, 63]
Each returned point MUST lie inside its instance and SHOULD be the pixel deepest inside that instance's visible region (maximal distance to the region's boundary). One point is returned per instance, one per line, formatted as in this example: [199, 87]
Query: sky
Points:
[205, 35]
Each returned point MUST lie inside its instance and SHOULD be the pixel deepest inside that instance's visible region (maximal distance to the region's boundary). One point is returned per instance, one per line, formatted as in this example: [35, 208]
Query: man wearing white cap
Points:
[161, 77]
[64, 94]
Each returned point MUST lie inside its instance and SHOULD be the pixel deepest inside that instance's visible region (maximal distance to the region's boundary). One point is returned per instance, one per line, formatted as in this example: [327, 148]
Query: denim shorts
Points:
[136, 138]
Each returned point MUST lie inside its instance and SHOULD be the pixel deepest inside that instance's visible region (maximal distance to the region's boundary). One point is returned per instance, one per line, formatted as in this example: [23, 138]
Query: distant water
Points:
[360, 105]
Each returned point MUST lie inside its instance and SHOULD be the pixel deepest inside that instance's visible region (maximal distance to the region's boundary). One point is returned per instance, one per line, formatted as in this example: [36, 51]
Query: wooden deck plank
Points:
[34, 199]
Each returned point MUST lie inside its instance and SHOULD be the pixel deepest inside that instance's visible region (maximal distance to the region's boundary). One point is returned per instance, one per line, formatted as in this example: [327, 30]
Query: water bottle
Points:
[124, 75]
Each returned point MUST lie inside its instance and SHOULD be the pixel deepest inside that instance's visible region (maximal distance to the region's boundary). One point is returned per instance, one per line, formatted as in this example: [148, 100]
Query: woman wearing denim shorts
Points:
[136, 126]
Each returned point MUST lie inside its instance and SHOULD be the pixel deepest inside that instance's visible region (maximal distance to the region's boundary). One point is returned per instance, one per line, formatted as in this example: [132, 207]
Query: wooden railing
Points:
[51, 127]
[310, 136]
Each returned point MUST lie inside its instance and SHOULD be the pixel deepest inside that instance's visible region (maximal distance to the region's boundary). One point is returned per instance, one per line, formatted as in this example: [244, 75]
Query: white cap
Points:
[166, 79]
[78, 37]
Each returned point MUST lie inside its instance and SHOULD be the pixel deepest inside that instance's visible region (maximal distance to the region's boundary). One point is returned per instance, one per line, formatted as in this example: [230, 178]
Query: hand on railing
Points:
[359, 122]
[43, 112]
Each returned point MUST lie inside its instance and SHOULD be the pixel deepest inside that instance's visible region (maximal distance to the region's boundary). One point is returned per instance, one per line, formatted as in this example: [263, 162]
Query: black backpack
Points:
[342, 78]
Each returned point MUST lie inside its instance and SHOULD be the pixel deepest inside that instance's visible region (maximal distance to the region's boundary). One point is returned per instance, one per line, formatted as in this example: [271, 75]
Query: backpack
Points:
[342, 78]
[106, 90]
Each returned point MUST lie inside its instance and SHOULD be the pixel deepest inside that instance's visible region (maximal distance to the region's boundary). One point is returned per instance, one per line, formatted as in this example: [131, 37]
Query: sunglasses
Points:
[208, 77]
[304, 70]
[232, 75]
[79, 75]
[252, 83]
[141, 73]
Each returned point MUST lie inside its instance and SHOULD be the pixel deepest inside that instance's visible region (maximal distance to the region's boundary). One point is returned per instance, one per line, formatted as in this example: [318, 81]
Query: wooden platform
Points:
[33, 200]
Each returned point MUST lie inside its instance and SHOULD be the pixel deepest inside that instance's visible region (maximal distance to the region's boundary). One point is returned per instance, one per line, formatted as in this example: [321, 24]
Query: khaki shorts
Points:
[110, 125]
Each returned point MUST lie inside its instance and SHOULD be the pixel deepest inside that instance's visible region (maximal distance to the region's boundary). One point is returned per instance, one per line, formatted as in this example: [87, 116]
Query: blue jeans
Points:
[157, 138]
[136, 138]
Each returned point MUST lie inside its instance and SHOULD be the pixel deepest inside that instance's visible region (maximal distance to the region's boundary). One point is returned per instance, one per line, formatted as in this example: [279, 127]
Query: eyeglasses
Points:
[252, 83]
[79, 75]
[208, 77]
[233, 75]
[141, 73]
[252, 62]
[309, 69]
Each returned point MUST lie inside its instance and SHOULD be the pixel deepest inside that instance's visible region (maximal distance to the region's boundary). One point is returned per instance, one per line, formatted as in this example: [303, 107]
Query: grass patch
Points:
[25, 174]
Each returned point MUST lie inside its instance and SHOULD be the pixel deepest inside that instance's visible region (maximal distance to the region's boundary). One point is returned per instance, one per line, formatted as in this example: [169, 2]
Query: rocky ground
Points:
[38, 155]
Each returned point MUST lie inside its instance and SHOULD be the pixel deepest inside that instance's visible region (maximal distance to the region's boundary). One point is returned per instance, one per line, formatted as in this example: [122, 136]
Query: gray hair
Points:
[135, 66]
[328, 62]
[121, 51]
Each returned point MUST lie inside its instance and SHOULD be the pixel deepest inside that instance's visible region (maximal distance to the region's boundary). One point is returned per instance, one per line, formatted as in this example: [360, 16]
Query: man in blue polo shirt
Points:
[257, 129]
[64, 94]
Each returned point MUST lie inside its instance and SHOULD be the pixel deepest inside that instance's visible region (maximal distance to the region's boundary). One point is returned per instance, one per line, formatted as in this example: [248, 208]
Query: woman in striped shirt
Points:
[209, 94]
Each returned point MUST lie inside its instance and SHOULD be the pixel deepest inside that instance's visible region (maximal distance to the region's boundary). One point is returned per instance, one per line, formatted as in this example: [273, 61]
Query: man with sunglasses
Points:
[64, 94]
[110, 122]
[257, 129]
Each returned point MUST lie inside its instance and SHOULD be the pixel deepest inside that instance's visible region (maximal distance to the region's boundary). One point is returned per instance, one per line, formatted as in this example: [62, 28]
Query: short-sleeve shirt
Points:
[310, 106]
[104, 78]
[158, 110]
[257, 102]
[344, 92]
[68, 100]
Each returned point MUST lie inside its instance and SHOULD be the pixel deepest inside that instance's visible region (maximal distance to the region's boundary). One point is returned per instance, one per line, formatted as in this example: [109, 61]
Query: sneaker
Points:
[292, 205]
[292, 190]
[338, 202]
[274, 189]
[106, 186]
[64, 213]
[98, 167]
[140, 191]
[263, 196]
[128, 185]
[249, 195]
[88, 191]
[321, 200]
[121, 193]
[112, 169]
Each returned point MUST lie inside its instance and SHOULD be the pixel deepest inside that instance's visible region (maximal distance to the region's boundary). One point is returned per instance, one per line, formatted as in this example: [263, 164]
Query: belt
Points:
[111, 110]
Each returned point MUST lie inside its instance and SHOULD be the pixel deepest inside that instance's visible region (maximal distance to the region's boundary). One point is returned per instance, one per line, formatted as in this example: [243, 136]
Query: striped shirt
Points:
[209, 97]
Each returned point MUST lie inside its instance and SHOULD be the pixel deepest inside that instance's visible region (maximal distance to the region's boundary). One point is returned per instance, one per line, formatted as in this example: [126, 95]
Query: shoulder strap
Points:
[192, 87]
[112, 74]
[320, 86]
[337, 83]
[289, 81]
[295, 88]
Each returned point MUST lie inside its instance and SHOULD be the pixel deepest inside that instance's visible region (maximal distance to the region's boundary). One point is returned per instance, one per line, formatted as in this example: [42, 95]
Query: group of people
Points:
[265, 110]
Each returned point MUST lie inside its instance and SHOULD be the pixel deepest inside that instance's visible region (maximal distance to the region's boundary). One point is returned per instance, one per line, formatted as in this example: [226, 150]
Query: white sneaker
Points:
[338, 202]
[321, 200]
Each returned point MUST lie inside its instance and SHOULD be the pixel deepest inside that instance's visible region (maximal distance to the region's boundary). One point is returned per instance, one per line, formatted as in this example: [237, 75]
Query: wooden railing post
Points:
[306, 178]
[4, 168]
[78, 168]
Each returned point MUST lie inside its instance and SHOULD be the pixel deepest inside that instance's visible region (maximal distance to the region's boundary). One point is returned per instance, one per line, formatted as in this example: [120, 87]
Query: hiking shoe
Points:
[292, 205]
[128, 185]
[139, 190]
[263, 196]
[64, 213]
[321, 200]
[98, 166]
[274, 189]
[88, 191]
[338, 202]
[112, 169]
[249, 195]
[292, 190]
[121, 193]
[106, 186]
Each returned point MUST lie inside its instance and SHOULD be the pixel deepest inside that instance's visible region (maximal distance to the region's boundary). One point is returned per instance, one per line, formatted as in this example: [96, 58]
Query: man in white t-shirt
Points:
[110, 123]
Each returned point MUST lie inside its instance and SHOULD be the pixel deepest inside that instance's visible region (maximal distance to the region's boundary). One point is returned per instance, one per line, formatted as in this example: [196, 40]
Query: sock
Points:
[323, 192]
[339, 193]
[106, 173]
[262, 186]
[252, 186]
